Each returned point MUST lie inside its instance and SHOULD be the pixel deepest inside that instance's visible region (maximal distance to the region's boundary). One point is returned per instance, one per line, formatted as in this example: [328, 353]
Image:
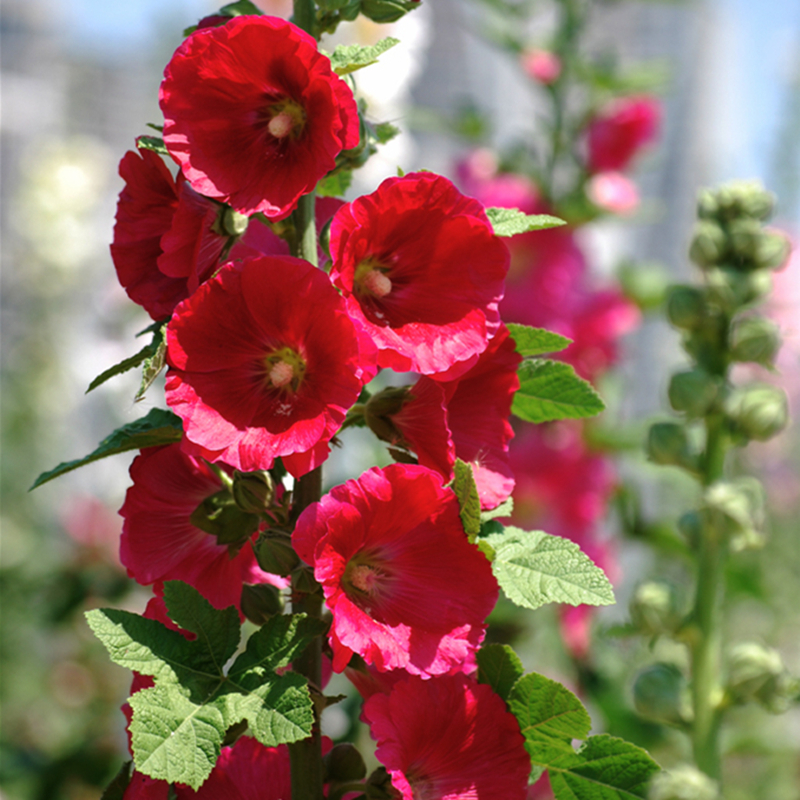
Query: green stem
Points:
[707, 647]
[305, 237]
[305, 15]
[306, 755]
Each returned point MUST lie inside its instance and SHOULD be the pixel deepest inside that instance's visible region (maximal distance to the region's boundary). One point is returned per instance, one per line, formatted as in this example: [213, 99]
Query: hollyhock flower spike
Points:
[159, 542]
[254, 114]
[264, 362]
[449, 738]
[421, 269]
[405, 587]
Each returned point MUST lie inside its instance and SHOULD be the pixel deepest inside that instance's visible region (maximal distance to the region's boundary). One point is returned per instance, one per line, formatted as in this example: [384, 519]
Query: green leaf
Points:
[157, 427]
[469, 503]
[154, 143]
[144, 356]
[511, 221]
[499, 667]
[154, 362]
[335, 184]
[505, 509]
[240, 8]
[534, 568]
[349, 58]
[551, 390]
[605, 768]
[179, 725]
[536, 341]
[549, 715]
[385, 132]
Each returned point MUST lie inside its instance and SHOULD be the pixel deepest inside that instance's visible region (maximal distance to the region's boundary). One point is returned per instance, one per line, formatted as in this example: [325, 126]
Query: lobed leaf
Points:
[550, 390]
[511, 221]
[157, 427]
[534, 568]
[349, 58]
[536, 341]
[468, 500]
[499, 667]
[154, 143]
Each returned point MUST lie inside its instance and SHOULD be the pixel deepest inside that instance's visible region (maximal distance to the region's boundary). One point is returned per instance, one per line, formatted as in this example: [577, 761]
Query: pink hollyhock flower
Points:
[159, 541]
[254, 114]
[387, 548]
[620, 130]
[614, 192]
[542, 66]
[264, 362]
[449, 737]
[421, 269]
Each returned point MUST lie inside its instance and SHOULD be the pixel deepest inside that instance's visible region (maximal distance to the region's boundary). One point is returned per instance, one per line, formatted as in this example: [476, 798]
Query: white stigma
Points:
[281, 374]
[377, 283]
[281, 125]
[363, 577]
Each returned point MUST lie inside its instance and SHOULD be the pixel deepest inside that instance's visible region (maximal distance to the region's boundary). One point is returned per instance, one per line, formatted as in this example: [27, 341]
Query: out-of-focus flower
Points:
[421, 269]
[620, 130]
[387, 548]
[542, 66]
[613, 192]
[254, 114]
[264, 363]
[471, 747]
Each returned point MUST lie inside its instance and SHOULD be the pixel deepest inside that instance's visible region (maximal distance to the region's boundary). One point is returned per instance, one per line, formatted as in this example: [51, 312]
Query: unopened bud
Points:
[253, 491]
[755, 339]
[691, 525]
[381, 407]
[234, 223]
[708, 245]
[275, 554]
[735, 509]
[732, 288]
[772, 251]
[751, 669]
[686, 307]
[759, 411]
[745, 234]
[379, 786]
[260, 602]
[219, 516]
[707, 206]
[667, 443]
[344, 763]
[744, 199]
[694, 392]
[660, 692]
[655, 608]
[684, 782]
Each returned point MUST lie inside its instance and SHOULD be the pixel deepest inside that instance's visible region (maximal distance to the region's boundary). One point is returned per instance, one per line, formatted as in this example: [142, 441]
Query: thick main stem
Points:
[707, 645]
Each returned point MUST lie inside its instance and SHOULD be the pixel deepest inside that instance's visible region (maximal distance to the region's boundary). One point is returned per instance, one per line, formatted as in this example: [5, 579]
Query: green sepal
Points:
[119, 784]
[157, 427]
[536, 341]
[385, 132]
[384, 11]
[534, 568]
[499, 667]
[550, 390]
[154, 143]
[335, 184]
[240, 8]
[511, 221]
[468, 501]
[349, 58]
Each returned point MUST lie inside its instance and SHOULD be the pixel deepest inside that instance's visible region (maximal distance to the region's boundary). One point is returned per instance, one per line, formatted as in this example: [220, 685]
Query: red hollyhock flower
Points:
[405, 587]
[264, 363]
[254, 114]
[159, 541]
[620, 130]
[449, 738]
[422, 270]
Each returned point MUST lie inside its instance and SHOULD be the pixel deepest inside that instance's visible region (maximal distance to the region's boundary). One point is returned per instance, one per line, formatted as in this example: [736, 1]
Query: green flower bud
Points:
[660, 692]
[685, 782]
[744, 235]
[667, 443]
[755, 339]
[379, 786]
[655, 608]
[691, 525]
[219, 516]
[344, 763]
[275, 554]
[707, 206]
[772, 250]
[759, 411]
[260, 602]
[744, 199]
[234, 223]
[379, 410]
[732, 289]
[753, 671]
[253, 491]
[694, 392]
[735, 509]
[709, 244]
[686, 307]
